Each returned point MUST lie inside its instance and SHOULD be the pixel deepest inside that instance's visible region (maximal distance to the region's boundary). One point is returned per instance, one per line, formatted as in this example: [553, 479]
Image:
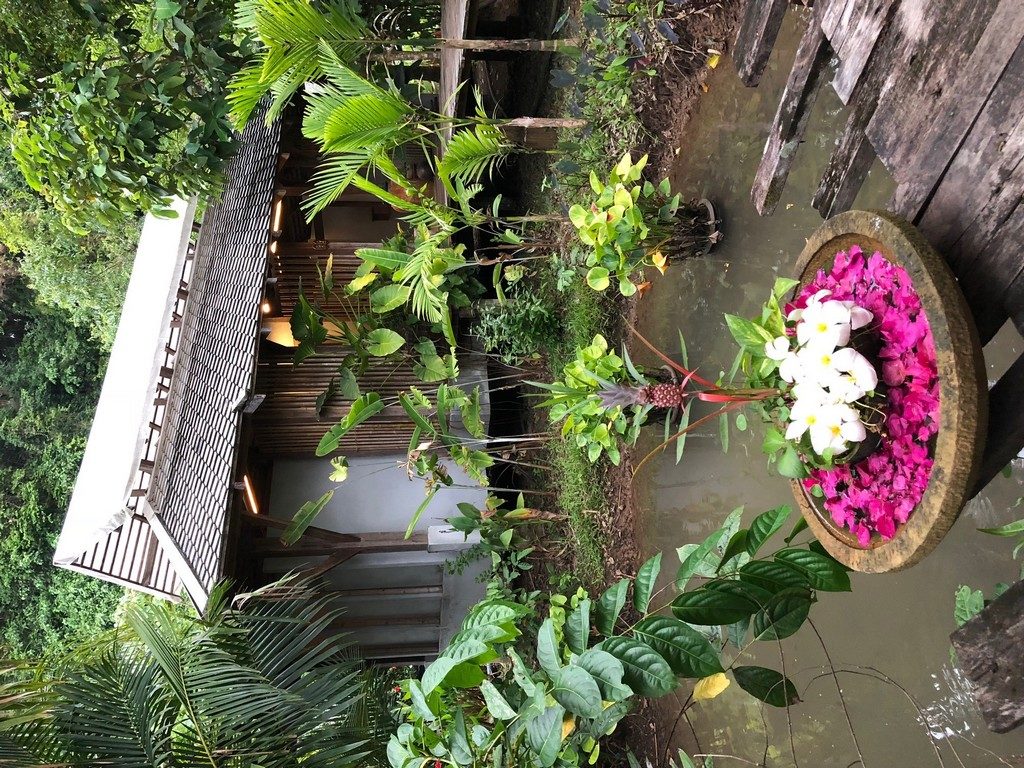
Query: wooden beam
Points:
[366, 543]
[988, 650]
[787, 131]
[387, 591]
[317, 533]
[1005, 424]
[756, 38]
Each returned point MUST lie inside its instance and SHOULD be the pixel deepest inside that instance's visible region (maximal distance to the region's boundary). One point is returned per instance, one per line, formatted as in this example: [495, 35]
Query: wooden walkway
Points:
[936, 92]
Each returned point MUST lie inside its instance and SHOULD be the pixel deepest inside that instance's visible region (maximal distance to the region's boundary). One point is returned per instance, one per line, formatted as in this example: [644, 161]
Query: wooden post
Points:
[1005, 424]
[989, 651]
[756, 38]
[787, 132]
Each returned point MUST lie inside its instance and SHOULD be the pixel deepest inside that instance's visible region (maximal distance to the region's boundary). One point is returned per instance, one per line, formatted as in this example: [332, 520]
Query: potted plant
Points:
[880, 414]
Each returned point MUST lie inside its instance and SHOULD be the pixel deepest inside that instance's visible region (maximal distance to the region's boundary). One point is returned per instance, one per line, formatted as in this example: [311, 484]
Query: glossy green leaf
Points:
[643, 585]
[610, 606]
[547, 649]
[767, 685]
[687, 651]
[389, 297]
[789, 464]
[364, 408]
[608, 672]
[709, 606]
[774, 575]
[577, 627]
[496, 703]
[737, 545]
[576, 690]
[383, 342]
[1016, 528]
[644, 669]
[783, 615]
[764, 526]
[824, 572]
[544, 735]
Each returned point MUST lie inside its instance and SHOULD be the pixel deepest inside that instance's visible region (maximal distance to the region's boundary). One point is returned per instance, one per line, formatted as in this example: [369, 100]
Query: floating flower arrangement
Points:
[878, 493]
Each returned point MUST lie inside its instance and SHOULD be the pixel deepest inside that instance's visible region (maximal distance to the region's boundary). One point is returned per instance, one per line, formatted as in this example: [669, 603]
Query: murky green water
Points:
[897, 624]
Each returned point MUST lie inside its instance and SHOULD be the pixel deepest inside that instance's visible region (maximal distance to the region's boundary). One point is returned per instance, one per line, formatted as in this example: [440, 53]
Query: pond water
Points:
[897, 624]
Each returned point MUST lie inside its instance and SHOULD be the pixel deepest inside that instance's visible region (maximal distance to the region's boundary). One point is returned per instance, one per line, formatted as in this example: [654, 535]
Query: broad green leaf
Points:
[383, 342]
[456, 654]
[686, 650]
[166, 9]
[737, 544]
[496, 704]
[789, 464]
[723, 431]
[420, 704]
[783, 615]
[389, 297]
[576, 690]
[544, 735]
[968, 604]
[608, 672]
[547, 649]
[824, 572]
[698, 560]
[610, 606]
[304, 518]
[521, 674]
[577, 627]
[764, 526]
[643, 585]
[362, 409]
[798, 527]
[471, 415]
[644, 670]
[749, 335]
[713, 606]
[597, 278]
[465, 675]
[774, 575]
[766, 685]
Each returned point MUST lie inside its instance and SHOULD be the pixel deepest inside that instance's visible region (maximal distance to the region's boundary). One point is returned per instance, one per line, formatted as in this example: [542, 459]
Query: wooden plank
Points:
[991, 283]
[756, 38]
[787, 131]
[988, 170]
[932, 101]
[849, 164]
[313, 531]
[856, 45]
[988, 650]
[1006, 424]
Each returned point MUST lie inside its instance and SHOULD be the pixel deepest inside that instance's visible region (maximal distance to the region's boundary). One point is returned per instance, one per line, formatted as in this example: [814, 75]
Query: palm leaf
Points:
[474, 153]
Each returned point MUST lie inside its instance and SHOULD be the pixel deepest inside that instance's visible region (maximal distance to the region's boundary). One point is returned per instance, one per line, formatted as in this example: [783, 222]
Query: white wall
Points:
[377, 496]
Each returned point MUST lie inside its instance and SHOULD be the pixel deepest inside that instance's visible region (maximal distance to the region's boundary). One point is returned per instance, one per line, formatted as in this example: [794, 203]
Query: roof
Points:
[150, 507]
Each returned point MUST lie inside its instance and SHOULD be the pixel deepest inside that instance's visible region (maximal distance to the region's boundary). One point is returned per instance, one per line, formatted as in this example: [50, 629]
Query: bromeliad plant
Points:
[604, 397]
[631, 225]
[502, 696]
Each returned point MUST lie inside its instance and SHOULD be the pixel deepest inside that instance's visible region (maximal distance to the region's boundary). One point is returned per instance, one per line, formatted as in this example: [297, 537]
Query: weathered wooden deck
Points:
[936, 92]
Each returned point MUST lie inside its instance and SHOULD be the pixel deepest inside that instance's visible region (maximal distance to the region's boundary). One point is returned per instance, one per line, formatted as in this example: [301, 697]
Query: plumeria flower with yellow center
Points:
[777, 349]
[660, 261]
[818, 364]
[824, 325]
[861, 372]
[797, 314]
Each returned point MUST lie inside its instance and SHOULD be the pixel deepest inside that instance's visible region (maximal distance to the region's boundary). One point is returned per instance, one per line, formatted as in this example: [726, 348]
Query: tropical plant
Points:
[134, 120]
[500, 697]
[520, 328]
[630, 225]
[259, 680]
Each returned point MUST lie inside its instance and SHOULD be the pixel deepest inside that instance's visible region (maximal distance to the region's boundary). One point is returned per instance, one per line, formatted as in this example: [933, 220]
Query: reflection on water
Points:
[889, 638]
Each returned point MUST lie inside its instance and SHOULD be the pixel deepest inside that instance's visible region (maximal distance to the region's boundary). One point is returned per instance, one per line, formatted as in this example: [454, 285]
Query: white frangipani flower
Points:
[824, 324]
[778, 348]
[862, 372]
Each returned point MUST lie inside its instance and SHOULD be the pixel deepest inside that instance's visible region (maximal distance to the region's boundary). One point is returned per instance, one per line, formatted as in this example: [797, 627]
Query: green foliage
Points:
[243, 681]
[555, 693]
[626, 225]
[132, 119]
[84, 276]
[520, 328]
[49, 377]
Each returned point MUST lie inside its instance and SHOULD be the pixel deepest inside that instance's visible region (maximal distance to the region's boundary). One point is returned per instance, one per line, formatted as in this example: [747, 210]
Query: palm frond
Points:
[474, 153]
[290, 35]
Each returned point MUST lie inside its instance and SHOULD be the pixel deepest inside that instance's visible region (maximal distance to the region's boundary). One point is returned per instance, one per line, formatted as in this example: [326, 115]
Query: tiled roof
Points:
[188, 500]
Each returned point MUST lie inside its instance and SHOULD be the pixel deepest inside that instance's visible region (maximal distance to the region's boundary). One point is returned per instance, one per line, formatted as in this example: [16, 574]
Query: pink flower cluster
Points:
[877, 494]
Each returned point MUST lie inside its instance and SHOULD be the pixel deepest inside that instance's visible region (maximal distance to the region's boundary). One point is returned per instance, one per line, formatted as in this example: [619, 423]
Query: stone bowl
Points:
[963, 420]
